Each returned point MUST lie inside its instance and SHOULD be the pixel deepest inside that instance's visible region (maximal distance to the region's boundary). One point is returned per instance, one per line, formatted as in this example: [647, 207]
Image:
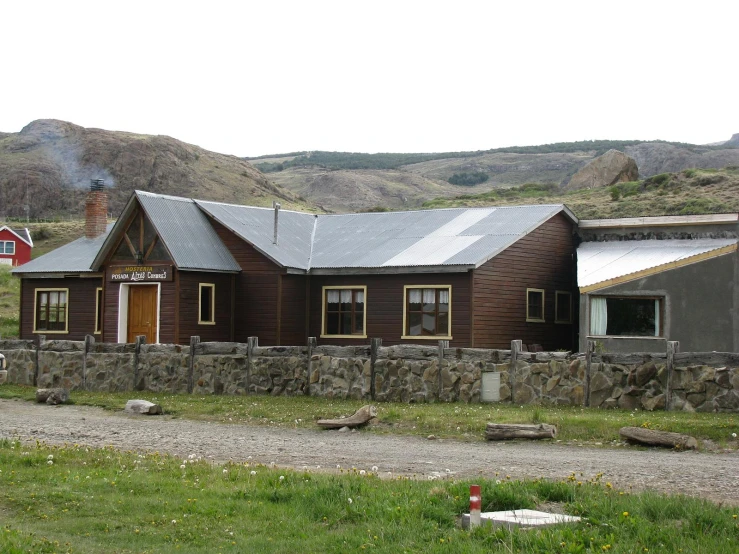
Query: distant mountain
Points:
[341, 181]
[48, 166]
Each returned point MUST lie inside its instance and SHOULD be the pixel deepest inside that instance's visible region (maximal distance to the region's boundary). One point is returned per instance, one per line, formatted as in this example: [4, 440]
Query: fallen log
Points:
[506, 431]
[52, 396]
[359, 418]
[651, 437]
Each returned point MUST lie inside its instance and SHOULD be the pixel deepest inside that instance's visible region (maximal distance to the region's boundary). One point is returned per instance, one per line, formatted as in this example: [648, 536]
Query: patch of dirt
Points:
[705, 475]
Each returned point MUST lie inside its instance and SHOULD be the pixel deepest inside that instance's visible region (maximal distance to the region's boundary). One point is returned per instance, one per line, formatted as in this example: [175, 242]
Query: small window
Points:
[562, 307]
[428, 312]
[535, 305]
[7, 247]
[629, 316]
[98, 310]
[344, 311]
[51, 310]
[206, 304]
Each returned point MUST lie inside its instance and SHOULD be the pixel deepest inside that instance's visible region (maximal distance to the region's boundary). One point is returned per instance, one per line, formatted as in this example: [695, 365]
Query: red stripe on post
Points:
[475, 499]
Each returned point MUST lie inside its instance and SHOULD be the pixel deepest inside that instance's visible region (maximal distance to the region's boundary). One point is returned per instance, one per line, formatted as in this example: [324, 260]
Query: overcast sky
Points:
[253, 78]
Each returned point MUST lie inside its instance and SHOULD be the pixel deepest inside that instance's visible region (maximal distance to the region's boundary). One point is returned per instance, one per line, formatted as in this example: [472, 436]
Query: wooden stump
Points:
[505, 431]
[359, 418]
[651, 437]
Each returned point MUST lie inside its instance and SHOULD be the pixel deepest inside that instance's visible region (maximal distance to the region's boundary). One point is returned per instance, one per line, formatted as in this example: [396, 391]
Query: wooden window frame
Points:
[406, 332]
[530, 319]
[212, 287]
[36, 330]
[5, 251]
[568, 295]
[362, 335]
[99, 300]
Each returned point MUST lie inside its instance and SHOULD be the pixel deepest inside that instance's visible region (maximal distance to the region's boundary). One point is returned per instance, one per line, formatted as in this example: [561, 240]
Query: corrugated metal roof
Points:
[75, 257]
[187, 234]
[450, 237]
[256, 225]
[598, 262]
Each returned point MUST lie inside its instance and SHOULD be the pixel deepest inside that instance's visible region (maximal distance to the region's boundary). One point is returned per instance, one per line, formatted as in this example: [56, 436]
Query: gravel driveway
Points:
[707, 475]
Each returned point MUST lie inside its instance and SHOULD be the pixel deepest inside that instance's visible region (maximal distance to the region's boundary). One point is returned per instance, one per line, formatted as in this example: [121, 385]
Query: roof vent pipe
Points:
[276, 206]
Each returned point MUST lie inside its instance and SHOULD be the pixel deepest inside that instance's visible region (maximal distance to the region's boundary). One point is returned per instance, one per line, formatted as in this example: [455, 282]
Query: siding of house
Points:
[293, 330]
[189, 282]
[385, 303]
[81, 305]
[256, 290]
[543, 259]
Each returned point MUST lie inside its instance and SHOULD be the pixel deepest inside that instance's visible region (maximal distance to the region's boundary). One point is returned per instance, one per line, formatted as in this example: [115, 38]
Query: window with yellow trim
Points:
[428, 311]
[51, 310]
[206, 304]
[535, 305]
[562, 307]
[344, 311]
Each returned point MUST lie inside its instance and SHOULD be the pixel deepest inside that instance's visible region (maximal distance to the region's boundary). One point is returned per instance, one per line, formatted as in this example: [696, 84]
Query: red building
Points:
[15, 246]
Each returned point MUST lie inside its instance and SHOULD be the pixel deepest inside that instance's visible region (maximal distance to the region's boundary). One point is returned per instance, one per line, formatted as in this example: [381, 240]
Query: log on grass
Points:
[359, 418]
[506, 431]
[652, 437]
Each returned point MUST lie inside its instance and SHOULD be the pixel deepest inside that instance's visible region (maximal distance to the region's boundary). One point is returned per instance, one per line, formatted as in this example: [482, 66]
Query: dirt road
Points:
[711, 476]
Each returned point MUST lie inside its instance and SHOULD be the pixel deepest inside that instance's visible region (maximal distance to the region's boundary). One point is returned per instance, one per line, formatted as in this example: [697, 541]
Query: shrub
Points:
[468, 179]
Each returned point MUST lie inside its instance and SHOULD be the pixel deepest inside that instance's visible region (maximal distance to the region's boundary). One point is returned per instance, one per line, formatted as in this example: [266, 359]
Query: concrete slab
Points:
[520, 518]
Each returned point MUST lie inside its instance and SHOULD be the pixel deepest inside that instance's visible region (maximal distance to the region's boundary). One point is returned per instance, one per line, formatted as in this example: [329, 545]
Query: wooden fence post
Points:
[590, 348]
[375, 345]
[89, 342]
[673, 347]
[516, 347]
[140, 339]
[194, 341]
[251, 344]
[312, 343]
[443, 344]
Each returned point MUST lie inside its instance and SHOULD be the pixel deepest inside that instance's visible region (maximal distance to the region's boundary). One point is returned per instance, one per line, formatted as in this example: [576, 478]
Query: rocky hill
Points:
[48, 166]
[351, 182]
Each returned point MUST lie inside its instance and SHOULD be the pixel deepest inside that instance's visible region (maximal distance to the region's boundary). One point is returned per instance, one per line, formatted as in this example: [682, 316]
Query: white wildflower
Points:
[50, 457]
[375, 468]
[252, 472]
[182, 466]
[174, 522]
[50, 462]
[350, 500]
[362, 472]
[282, 477]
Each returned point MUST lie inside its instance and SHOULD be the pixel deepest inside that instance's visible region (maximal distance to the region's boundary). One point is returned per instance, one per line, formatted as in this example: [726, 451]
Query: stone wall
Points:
[406, 373]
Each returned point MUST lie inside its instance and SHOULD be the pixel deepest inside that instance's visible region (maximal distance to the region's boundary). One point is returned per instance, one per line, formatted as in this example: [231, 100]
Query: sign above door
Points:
[136, 273]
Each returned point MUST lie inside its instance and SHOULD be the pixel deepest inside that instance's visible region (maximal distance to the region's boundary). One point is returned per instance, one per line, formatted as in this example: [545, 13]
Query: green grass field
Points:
[80, 500]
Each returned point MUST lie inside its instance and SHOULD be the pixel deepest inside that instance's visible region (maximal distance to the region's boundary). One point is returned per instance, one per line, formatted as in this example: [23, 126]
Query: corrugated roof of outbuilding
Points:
[603, 264]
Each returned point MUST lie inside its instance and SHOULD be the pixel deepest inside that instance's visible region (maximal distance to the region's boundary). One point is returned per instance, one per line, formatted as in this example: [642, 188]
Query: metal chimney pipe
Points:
[276, 206]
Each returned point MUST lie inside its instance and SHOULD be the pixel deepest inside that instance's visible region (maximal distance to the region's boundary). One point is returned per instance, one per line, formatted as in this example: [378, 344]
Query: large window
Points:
[7, 247]
[344, 311]
[428, 311]
[206, 304]
[630, 316]
[51, 310]
[535, 305]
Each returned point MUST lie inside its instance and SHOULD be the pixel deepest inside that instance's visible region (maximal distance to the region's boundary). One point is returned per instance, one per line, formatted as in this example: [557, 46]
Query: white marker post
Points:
[475, 505]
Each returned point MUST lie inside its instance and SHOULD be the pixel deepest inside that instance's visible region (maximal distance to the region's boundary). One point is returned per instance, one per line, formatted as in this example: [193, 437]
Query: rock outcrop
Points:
[733, 141]
[606, 170]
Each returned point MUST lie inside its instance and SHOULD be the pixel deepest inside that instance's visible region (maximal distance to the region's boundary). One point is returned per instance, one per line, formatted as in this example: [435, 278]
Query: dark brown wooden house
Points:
[172, 268]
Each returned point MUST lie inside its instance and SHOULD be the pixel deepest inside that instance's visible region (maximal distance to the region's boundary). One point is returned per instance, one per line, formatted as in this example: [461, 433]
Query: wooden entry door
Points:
[142, 312]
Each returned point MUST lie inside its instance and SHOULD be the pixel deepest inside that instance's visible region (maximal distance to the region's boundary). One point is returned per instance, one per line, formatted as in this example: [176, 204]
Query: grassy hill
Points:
[341, 181]
[691, 191]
